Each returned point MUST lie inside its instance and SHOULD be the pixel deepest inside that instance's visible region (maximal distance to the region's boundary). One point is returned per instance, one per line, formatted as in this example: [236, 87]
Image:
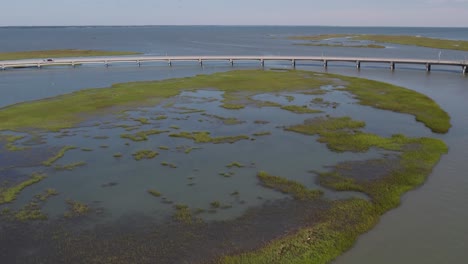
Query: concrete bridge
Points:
[139, 60]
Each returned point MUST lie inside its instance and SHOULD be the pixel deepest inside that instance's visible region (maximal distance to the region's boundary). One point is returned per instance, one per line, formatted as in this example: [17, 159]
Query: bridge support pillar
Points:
[201, 62]
[325, 63]
[39, 65]
[106, 63]
[428, 67]
[231, 61]
[262, 62]
[358, 65]
[73, 64]
[293, 63]
[139, 63]
[392, 66]
[465, 69]
[3, 67]
[170, 63]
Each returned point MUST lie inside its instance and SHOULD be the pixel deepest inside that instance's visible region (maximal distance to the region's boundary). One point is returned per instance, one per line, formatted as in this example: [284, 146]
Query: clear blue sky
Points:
[235, 12]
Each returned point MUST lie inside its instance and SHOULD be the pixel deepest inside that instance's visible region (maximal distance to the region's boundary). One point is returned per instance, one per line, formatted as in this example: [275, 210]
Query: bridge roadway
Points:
[231, 59]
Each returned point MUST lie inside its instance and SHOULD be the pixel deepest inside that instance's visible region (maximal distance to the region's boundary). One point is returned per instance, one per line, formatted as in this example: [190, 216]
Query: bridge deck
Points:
[169, 59]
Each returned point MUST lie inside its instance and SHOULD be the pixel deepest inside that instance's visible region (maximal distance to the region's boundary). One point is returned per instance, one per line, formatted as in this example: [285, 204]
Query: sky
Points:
[441, 13]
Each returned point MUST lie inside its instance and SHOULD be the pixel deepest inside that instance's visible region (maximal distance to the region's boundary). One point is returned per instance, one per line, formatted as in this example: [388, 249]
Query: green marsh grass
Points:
[298, 109]
[7, 195]
[40, 54]
[297, 190]
[58, 156]
[144, 154]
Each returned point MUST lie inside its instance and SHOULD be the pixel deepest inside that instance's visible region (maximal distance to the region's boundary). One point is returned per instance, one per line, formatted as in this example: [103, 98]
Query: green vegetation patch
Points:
[41, 54]
[343, 134]
[205, 137]
[76, 209]
[395, 39]
[235, 164]
[143, 135]
[226, 120]
[70, 166]
[262, 133]
[58, 156]
[297, 190]
[7, 195]
[418, 156]
[168, 164]
[68, 110]
[300, 109]
[184, 215]
[10, 142]
[145, 154]
[30, 212]
[154, 193]
[417, 41]
[398, 99]
[370, 46]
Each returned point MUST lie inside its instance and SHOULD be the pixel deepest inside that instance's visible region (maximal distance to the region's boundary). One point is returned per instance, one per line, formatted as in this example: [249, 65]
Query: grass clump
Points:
[232, 106]
[154, 193]
[235, 164]
[161, 117]
[143, 135]
[215, 204]
[117, 155]
[30, 212]
[163, 148]
[76, 209]
[205, 137]
[184, 215]
[144, 154]
[263, 133]
[168, 164]
[60, 53]
[227, 174]
[10, 140]
[59, 155]
[342, 134]
[226, 120]
[297, 190]
[7, 195]
[300, 109]
[46, 195]
[70, 166]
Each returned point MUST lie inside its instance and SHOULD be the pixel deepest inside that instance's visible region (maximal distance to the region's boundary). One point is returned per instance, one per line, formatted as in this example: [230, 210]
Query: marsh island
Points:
[248, 166]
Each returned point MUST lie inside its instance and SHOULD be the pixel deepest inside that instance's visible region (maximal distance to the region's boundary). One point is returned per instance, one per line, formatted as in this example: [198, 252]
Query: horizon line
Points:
[226, 25]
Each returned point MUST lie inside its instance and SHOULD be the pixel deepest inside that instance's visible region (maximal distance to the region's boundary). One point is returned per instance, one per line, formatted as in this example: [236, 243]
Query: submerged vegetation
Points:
[39, 54]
